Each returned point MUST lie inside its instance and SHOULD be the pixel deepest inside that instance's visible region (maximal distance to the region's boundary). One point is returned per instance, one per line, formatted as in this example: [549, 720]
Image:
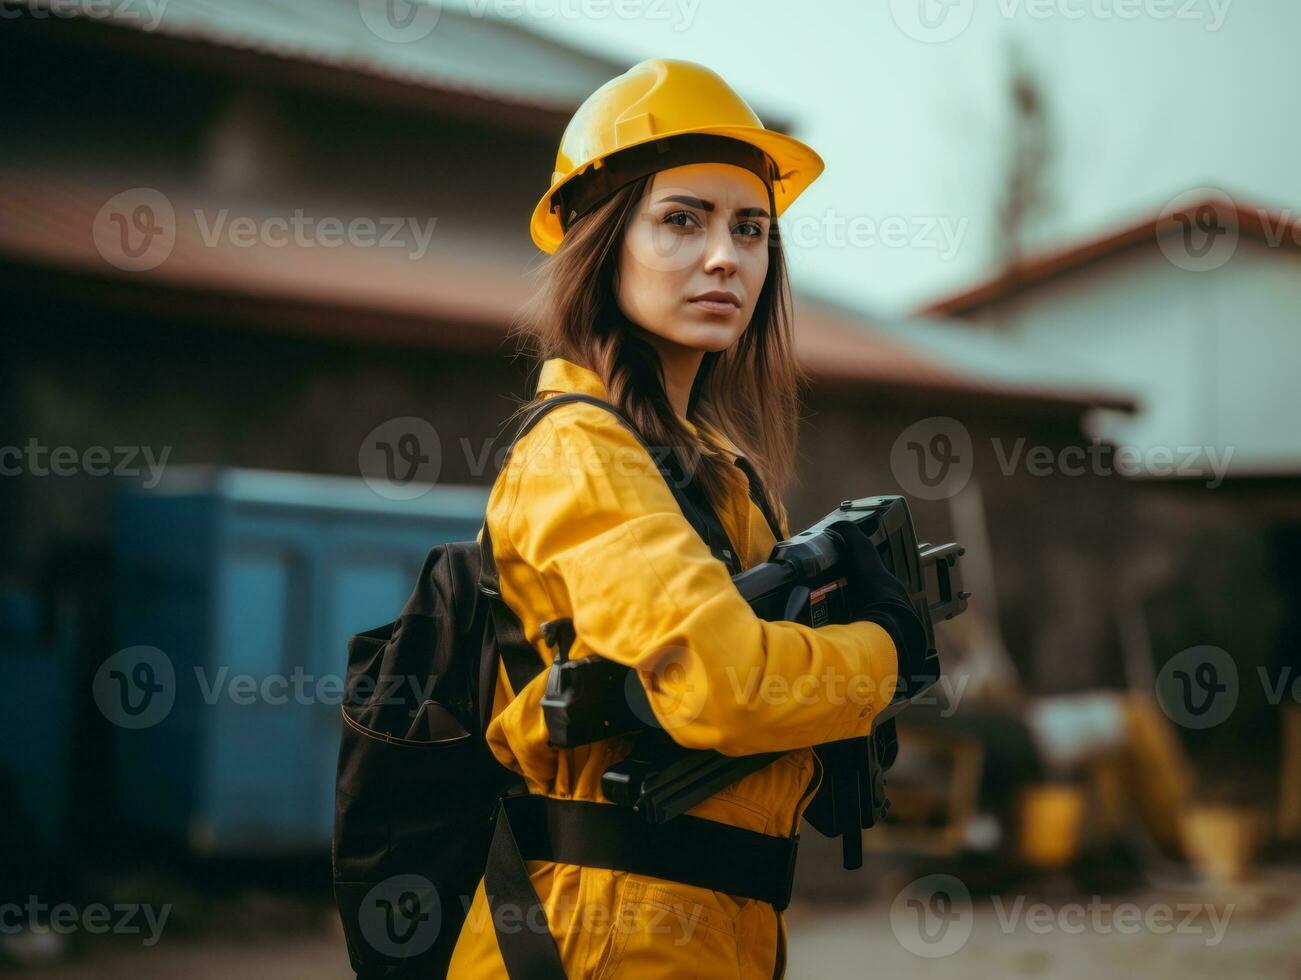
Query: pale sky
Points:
[1150, 98]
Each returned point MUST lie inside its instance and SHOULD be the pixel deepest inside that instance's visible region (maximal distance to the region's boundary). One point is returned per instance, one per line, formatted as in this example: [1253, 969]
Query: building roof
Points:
[457, 58]
[54, 238]
[836, 344]
[1258, 223]
[53, 222]
[484, 61]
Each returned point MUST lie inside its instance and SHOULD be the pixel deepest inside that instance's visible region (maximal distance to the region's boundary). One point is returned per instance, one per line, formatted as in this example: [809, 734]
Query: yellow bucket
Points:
[1050, 817]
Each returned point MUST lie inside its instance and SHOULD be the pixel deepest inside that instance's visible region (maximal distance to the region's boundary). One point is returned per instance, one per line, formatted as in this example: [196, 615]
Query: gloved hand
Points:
[881, 598]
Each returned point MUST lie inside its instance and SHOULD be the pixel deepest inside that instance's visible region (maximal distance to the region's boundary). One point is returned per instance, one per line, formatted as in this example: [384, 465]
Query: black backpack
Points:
[417, 791]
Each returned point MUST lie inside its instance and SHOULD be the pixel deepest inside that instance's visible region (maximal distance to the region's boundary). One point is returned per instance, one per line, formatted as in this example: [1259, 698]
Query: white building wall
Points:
[1212, 355]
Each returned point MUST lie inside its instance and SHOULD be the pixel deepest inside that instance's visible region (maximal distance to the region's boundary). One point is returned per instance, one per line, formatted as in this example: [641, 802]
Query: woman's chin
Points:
[709, 337]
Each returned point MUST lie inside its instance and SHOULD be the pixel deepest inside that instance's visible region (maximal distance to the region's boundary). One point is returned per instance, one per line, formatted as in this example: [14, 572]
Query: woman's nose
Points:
[720, 250]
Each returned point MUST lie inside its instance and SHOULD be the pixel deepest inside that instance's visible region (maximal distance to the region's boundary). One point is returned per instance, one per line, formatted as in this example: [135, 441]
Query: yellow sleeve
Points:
[587, 509]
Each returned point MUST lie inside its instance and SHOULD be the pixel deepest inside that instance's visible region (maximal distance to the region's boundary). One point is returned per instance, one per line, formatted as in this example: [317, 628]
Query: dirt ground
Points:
[1238, 933]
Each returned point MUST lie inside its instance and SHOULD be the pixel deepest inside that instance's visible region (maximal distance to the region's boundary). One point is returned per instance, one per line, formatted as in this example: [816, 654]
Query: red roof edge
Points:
[1265, 225]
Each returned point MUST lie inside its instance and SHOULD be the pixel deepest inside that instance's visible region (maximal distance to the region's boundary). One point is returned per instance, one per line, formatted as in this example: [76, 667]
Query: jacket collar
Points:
[559, 375]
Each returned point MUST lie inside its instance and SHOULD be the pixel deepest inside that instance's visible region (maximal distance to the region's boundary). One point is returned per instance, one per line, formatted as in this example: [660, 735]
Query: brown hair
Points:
[750, 392]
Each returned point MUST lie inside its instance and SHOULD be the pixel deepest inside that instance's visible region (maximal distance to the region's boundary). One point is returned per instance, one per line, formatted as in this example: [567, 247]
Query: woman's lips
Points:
[714, 306]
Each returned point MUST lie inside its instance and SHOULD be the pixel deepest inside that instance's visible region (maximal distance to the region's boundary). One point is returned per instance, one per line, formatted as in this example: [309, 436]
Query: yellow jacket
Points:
[584, 526]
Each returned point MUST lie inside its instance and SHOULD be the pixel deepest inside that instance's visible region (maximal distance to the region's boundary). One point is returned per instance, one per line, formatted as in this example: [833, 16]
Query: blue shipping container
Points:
[235, 594]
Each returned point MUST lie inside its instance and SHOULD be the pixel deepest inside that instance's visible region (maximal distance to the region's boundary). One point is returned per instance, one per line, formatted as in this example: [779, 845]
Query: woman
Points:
[666, 296]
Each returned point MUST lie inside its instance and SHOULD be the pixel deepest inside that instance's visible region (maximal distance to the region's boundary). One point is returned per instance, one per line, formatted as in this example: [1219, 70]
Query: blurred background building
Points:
[203, 374]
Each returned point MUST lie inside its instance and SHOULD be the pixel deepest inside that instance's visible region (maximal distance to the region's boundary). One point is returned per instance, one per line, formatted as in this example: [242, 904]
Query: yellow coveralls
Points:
[584, 526]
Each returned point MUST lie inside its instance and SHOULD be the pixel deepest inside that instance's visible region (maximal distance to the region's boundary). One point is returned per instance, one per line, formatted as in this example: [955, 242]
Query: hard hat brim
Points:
[798, 163]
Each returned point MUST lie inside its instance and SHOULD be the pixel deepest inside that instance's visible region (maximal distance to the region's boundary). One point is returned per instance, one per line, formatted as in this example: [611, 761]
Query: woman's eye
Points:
[688, 219]
[685, 219]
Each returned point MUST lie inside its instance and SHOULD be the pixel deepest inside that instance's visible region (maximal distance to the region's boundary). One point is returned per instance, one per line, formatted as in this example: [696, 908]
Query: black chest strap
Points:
[703, 853]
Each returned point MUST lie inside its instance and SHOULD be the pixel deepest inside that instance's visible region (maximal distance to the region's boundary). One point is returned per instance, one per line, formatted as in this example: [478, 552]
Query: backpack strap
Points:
[759, 497]
[605, 836]
[530, 953]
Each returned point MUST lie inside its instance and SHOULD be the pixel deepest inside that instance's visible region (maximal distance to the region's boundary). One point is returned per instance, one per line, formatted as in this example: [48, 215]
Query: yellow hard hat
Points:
[650, 102]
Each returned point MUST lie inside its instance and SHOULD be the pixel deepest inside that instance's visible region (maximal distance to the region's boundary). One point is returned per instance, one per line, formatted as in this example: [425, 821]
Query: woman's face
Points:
[700, 229]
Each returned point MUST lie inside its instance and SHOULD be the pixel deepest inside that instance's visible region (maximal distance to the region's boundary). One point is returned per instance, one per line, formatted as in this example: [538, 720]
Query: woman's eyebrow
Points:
[696, 202]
